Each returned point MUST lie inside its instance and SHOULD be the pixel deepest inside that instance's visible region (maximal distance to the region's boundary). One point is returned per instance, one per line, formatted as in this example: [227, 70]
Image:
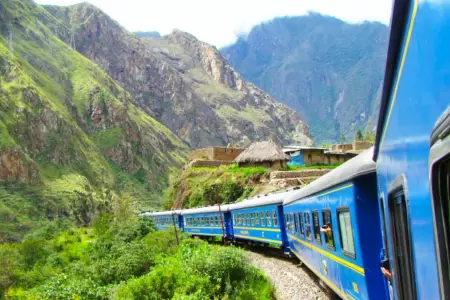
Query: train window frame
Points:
[302, 228]
[275, 217]
[341, 210]
[316, 228]
[327, 210]
[308, 225]
[261, 216]
[297, 229]
[268, 219]
[439, 178]
[218, 221]
[257, 218]
[404, 282]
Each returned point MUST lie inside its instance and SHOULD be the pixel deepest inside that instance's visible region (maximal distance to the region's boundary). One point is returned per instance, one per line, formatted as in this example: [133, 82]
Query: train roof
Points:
[205, 209]
[355, 167]
[160, 213]
[262, 200]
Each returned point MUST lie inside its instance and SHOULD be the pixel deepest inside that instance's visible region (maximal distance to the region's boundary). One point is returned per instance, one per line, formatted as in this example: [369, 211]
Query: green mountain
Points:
[72, 141]
[327, 70]
[184, 83]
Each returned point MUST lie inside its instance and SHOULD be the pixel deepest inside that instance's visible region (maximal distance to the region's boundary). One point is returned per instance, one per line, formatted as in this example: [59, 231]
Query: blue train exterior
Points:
[259, 220]
[412, 147]
[346, 258]
[208, 222]
[165, 219]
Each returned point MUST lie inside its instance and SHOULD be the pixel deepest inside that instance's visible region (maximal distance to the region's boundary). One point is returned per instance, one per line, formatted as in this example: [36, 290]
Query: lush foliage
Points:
[125, 260]
[207, 186]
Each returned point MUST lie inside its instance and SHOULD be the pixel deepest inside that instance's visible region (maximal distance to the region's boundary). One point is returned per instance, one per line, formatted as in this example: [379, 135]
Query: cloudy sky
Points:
[218, 22]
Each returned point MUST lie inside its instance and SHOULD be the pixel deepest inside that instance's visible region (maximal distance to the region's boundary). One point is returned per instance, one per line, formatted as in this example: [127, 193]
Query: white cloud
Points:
[218, 22]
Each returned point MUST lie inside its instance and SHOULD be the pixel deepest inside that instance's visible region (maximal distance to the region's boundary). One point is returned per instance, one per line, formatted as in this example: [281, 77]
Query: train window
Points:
[261, 216]
[346, 232]
[252, 218]
[257, 218]
[269, 221]
[440, 186]
[329, 238]
[308, 232]
[217, 220]
[288, 222]
[211, 221]
[234, 220]
[296, 223]
[275, 218]
[316, 227]
[302, 228]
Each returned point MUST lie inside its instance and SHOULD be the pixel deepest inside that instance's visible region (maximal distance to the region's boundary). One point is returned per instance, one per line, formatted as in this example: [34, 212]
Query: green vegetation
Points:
[124, 258]
[72, 142]
[208, 186]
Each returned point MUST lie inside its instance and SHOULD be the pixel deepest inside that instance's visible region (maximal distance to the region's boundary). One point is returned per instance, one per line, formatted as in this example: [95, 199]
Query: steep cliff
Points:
[327, 70]
[72, 141]
[184, 83]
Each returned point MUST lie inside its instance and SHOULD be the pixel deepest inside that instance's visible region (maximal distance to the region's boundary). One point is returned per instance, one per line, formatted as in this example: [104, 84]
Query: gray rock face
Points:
[184, 83]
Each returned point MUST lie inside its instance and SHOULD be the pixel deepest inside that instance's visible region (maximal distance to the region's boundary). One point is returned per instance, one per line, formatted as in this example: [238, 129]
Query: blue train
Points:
[368, 218]
[412, 151]
[345, 255]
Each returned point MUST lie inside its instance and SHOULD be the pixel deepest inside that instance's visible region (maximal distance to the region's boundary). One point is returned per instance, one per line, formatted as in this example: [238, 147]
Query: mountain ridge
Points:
[327, 70]
[183, 82]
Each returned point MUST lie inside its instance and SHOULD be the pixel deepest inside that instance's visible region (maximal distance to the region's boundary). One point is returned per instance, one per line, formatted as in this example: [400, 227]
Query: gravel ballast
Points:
[291, 282]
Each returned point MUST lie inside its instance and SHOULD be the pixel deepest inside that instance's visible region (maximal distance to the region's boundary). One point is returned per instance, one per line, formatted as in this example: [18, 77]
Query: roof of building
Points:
[355, 167]
[262, 151]
[293, 147]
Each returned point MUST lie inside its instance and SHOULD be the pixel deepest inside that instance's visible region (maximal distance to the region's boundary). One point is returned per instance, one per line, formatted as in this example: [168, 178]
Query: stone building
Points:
[263, 154]
[216, 153]
[305, 156]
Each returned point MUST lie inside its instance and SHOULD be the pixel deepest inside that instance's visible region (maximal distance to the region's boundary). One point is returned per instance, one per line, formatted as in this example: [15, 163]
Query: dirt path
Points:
[291, 282]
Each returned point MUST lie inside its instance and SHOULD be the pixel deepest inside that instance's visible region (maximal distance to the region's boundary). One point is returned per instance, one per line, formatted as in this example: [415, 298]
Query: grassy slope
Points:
[205, 186]
[47, 90]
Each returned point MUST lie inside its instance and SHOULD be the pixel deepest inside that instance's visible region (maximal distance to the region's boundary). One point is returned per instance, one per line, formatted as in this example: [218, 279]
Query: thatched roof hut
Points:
[263, 154]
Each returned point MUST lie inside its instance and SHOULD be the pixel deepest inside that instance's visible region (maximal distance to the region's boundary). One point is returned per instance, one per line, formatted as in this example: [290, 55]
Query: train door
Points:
[403, 273]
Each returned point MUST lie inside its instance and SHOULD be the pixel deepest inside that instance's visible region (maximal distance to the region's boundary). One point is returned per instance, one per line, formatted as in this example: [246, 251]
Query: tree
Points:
[359, 135]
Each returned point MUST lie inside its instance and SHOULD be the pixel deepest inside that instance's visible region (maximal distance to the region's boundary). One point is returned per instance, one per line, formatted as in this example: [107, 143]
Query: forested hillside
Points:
[327, 70]
[72, 142]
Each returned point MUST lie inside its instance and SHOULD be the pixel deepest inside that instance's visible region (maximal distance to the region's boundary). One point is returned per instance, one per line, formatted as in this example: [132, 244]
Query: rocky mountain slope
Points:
[72, 141]
[327, 70]
[184, 83]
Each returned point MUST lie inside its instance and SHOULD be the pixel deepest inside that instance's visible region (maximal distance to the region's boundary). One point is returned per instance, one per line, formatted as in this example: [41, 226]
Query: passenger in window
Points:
[386, 270]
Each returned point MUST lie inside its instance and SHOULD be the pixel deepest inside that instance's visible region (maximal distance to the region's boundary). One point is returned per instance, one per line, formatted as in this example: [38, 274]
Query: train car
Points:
[259, 220]
[209, 221]
[164, 219]
[412, 150]
[345, 253]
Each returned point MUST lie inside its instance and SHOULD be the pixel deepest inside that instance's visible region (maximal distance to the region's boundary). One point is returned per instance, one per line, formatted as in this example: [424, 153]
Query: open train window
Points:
[440, 187]
[275, 218]
[346, 232]
[218, 222]
[302, 228]
[401, 240]
[269, 221]
[257, 218]
[261, 216]
[329, 237]
[316, 223]
[308, 232]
